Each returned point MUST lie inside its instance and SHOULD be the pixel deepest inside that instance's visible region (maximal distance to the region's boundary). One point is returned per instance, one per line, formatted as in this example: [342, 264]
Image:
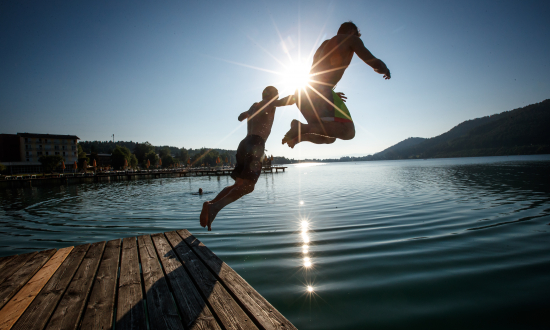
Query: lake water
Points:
[428, 244]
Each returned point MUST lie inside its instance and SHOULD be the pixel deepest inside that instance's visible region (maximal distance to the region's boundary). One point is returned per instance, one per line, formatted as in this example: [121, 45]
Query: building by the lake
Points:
[20, 152]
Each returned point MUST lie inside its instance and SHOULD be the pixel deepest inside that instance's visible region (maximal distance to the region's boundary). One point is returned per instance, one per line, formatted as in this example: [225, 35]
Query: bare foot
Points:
[293, 142]
[211, 215]
[204, 214]
[292, 132]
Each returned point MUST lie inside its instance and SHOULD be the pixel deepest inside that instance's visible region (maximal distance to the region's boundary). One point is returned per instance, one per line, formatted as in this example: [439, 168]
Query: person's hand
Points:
[387, 75]
[341, 95]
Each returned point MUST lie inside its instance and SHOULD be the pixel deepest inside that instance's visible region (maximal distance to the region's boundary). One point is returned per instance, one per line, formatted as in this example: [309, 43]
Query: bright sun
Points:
[296, 76]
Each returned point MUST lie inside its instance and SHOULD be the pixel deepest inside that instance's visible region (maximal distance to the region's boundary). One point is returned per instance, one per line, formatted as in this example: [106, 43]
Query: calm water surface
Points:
[427, 244]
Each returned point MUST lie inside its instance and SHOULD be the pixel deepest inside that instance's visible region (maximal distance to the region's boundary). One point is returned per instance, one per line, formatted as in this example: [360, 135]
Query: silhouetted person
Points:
[200, 191]
[260, 118]
[326, 114]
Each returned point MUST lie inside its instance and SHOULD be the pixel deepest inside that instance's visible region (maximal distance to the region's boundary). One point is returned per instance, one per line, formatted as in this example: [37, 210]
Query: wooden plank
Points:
[14, 264]
[39, 312]
[162, 311]
[5, 260]
[130, 310]
[12, 284]
[100, 309]
[254, 303]
[229, 313]
[19, 303]
[67, 314]
[193, 309]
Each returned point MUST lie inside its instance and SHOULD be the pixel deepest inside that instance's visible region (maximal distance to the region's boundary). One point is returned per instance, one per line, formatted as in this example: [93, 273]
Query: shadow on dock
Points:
[162, 281]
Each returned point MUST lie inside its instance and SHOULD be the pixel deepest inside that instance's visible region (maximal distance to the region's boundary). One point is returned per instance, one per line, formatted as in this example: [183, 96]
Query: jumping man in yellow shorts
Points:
[327, 116]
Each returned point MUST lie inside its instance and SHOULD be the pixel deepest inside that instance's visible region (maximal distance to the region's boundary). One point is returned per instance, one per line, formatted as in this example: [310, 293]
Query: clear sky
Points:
[180, 72]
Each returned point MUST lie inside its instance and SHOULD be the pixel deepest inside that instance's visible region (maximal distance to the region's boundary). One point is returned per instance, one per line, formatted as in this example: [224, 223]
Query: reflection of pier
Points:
[162, 281]
[30, 180]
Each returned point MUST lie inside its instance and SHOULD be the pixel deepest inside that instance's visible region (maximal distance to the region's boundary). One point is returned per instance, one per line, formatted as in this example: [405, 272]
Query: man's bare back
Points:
[326, 115]
[333, 57]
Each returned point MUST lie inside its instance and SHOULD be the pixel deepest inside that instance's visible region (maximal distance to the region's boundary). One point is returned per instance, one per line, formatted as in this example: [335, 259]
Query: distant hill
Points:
[523, 131]
[517, 132]
[394, 151]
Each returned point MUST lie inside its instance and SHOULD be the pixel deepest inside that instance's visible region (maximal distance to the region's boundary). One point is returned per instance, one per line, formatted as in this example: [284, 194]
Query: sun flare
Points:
[296, 76]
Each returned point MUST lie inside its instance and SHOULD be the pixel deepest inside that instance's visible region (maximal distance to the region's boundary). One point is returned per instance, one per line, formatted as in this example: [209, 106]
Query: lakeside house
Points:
[20, 152]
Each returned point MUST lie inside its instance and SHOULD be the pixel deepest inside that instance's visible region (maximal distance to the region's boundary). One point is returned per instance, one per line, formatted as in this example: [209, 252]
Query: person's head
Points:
[269, 93]
[200, 191]
[349, 28]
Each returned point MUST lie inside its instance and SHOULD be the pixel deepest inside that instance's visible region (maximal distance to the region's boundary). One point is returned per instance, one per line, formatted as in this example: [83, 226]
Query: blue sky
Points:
[179, 73]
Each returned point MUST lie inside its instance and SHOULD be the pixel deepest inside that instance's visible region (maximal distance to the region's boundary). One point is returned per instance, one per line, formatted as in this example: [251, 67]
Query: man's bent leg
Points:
[222, 193]
[313, 138]
[239, 189]
[343, 131]
[204, 212]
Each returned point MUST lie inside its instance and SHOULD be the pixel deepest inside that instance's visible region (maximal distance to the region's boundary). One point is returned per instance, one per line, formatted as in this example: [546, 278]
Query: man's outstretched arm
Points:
[359, 48]
[243, 116]
[288, 100]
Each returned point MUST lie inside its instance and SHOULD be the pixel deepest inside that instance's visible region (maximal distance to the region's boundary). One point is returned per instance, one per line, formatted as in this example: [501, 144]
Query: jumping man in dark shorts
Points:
[250, 153]
[327, 116]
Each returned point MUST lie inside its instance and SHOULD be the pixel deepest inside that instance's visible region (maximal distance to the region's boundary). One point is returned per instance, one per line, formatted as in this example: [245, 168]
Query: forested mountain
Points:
[517, 132]
[523, 131]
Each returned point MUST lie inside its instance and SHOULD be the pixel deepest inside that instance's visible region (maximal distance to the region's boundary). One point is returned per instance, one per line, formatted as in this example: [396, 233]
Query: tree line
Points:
[142, 154]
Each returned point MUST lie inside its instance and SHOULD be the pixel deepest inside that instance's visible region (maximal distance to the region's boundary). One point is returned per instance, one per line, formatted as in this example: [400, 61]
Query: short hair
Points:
[348, 27]
[269, 93]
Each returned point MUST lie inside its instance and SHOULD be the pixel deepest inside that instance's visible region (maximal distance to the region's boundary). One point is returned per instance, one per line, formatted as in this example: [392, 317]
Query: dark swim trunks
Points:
[249, 158]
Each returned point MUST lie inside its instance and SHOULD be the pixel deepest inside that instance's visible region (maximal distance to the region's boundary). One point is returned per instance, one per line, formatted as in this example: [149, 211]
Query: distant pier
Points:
[28, 180]
[161, 281]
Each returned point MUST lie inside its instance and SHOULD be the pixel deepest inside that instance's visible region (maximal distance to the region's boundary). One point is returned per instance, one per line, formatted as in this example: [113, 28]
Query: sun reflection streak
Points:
[267, 52]
[245, 65]
[315, 111]
[280, 37]
[331, 103]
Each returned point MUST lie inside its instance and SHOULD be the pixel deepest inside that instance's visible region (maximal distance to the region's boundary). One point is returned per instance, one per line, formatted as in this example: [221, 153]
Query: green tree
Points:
[119, 156]
[82, 157]
[206, 157]
[143, 149]
[165, 151]
[183, 156]
[151, 157]
[50, 163]
[167, 161]
[133, 161]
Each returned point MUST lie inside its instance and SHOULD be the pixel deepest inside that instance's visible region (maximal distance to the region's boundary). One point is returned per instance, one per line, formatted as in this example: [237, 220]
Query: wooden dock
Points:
[162, 281]
[23, 180]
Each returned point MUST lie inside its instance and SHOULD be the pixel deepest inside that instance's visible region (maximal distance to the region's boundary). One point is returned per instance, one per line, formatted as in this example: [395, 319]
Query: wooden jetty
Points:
[28, 180]
[161, 281]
